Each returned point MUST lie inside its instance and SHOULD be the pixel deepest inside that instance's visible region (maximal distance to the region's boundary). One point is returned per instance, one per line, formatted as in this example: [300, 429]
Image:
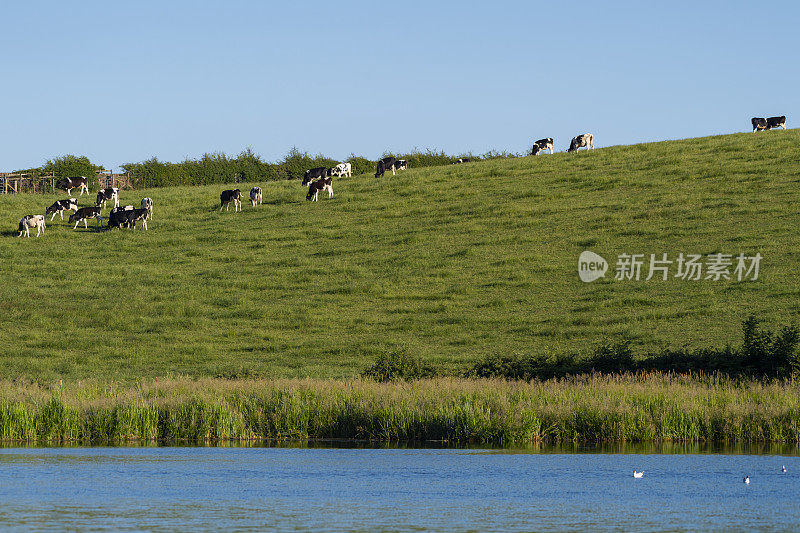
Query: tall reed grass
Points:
[585, 409]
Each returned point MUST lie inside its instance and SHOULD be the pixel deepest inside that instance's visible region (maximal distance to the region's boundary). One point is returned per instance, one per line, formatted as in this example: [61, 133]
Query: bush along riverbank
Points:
[653, 407]
[763, 354]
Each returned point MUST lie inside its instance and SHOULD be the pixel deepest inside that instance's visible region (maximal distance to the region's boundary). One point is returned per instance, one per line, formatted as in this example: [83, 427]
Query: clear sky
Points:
[125, 81]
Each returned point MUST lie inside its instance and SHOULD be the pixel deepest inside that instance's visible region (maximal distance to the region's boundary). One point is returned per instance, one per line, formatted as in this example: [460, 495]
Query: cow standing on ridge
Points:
[541, 145]
[580, 141]
[385, 164]
[776, 122]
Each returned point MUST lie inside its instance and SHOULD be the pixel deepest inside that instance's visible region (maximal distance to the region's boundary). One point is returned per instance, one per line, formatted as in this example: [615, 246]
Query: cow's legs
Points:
[86, 223]
[54, 216]
[76, 224]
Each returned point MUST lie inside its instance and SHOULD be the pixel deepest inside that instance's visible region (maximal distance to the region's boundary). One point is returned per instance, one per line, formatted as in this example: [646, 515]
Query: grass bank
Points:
[588, 409]
[446, 264]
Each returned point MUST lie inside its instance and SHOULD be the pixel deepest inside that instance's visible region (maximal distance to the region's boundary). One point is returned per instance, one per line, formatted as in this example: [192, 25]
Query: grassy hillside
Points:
[446, 263]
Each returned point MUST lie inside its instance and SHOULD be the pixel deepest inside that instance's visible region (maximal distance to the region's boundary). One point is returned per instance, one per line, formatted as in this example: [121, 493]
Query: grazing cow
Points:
[322, 184]
[31, 221]
[776, 122]
[58, 208]
[121, 216]
[140, 214]
[85, 213]
[401, 164]
[103, 195]
[541, 145]
[758, 124]
[461, 160]
[68, 184]
[580, 141]
[385, 164]
[256, 196]
[342, 169]
[229, 196]
[314, 173]
[147, 203]
[127, 216]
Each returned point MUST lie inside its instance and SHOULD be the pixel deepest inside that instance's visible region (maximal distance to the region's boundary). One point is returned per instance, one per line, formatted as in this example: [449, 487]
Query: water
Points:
[329, 489]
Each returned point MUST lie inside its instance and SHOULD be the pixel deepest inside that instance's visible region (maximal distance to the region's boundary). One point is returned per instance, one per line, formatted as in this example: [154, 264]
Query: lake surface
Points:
[333, 489]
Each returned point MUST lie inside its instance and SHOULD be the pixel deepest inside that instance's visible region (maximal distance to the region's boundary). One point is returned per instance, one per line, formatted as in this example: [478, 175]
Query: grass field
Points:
[640, 408]
[448, 264]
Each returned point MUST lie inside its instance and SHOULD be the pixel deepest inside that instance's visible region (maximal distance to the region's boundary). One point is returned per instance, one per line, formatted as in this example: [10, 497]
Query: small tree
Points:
[67, 166]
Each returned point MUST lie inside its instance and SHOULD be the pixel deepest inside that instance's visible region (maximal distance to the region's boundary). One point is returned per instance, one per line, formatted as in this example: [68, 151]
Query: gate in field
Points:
[106, 179]
[15, 182]
[20, 182]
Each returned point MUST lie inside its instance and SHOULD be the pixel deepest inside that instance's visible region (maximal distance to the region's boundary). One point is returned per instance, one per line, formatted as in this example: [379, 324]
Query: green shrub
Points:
[398, 366]
[67, 166]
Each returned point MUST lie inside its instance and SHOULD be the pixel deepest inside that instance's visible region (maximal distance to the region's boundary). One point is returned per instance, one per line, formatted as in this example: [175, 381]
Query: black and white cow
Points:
[58, 208]
[461, 160]
[314, 173]
[85, 213]
[31, 221]
[127, 216]
[385, 164]
[580, 141]
[776, 122]
[147, 203]
[541, 145]
[121, 216]
[110, 193]
[67, 184]
[256, 196]
[758, 124]
[229, 196]
[140, 214]
[322, 184]
[342, 169]
[401, 164]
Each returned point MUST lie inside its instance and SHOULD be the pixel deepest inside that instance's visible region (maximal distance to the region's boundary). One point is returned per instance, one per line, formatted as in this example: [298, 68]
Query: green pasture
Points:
[448, 264]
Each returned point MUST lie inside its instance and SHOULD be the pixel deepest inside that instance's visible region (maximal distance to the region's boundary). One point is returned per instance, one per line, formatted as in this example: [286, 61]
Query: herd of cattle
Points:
[760, 124]
[318, 179]
[118, 217]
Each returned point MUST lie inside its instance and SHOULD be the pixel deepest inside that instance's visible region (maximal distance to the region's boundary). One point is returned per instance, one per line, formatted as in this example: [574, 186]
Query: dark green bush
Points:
[67, 166]
[762, 355]
[398, 366]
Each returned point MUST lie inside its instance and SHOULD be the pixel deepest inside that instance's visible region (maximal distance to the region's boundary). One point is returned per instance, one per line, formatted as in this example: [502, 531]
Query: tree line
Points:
[247, 166]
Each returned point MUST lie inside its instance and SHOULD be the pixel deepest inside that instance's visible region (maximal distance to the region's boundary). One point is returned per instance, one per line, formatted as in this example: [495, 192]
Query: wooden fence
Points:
[29, 183]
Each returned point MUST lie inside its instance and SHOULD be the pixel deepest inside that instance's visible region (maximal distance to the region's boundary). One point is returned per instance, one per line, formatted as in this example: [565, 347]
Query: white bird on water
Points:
[746, 480]
[638, 475]
[783, 469]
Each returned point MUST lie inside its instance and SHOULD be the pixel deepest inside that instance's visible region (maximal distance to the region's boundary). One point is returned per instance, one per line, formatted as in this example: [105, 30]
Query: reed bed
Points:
[586, 409]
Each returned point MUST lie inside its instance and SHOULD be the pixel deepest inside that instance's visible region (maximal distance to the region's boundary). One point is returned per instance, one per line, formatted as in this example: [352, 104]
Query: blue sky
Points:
[123, 82]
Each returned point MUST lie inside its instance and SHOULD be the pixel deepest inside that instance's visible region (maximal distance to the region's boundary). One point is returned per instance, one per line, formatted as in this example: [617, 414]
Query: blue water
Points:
[284, 489]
